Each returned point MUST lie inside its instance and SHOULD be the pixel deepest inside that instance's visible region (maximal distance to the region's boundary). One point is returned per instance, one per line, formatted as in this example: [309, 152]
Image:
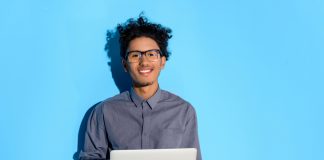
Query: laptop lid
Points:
[155, 154]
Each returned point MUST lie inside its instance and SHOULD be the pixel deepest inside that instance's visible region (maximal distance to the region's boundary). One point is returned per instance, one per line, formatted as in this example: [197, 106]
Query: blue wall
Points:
[254, 70]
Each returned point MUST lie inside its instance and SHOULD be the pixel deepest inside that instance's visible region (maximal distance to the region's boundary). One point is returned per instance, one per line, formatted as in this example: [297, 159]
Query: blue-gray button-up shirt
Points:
[126, 121]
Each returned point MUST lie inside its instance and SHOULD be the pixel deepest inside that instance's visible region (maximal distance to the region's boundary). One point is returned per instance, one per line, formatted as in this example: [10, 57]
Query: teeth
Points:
[145, 71]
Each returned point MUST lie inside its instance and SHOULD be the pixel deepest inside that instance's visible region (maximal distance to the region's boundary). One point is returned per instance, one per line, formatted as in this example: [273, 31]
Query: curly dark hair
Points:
[141, 27]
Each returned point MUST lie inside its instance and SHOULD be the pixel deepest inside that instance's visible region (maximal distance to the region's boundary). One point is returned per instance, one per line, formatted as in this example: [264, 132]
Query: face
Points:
[144, 72]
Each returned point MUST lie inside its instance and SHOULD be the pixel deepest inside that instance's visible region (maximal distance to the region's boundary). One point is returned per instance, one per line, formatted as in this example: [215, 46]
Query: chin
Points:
[143, 84]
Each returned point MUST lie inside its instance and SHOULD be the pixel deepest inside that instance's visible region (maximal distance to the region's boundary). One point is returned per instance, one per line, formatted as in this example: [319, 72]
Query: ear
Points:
[124, 63]
[163, 61]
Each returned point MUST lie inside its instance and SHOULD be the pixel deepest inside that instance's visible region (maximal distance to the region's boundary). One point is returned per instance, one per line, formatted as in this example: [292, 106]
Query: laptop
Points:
[155, 154]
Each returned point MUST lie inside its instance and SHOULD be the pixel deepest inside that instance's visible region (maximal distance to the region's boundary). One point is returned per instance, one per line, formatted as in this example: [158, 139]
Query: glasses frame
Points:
[144, 53]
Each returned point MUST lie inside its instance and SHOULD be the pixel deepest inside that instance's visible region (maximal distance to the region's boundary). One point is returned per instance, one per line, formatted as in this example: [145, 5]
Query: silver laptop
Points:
[155, 154]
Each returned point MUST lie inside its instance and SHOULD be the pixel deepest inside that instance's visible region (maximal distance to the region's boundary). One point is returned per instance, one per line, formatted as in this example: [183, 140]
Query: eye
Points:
[151, 54]
[134, 55]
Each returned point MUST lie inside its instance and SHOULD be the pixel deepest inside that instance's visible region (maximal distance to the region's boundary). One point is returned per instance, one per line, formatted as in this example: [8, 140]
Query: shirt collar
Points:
[151, 101]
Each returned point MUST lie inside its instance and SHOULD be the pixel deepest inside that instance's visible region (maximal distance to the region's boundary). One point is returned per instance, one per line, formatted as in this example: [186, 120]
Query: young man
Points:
[145, 117]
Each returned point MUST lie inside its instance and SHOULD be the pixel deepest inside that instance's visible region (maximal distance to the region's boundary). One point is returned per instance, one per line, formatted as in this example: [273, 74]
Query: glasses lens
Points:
[134, 56]
[153, 55]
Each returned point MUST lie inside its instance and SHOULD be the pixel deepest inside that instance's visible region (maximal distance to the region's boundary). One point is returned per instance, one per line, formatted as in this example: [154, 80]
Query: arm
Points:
[191, 139]
[96, 141]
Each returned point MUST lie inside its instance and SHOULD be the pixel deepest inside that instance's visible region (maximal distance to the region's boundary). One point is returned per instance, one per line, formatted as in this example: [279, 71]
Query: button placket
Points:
[146, 125]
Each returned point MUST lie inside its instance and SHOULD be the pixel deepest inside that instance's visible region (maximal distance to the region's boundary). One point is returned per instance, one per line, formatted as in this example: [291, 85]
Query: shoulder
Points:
[171, 97]
[121, 98]
[168, 96]
[124, 96]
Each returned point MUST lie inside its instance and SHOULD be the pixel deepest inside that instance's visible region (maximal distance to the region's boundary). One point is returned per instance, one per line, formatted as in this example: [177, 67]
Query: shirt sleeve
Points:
[191, 139]
[96, 141]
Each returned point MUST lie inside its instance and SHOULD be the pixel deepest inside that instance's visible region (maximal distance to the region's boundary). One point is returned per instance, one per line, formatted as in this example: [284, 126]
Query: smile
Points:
[145, 71]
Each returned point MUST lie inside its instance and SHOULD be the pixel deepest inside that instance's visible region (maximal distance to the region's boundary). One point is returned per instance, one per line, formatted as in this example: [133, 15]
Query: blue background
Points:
[253, 69]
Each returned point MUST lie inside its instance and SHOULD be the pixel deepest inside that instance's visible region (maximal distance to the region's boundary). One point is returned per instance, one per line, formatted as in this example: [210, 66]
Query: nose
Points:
[143, 59]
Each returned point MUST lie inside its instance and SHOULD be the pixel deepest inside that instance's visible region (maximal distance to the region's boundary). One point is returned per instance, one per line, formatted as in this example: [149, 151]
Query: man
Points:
[145, 117]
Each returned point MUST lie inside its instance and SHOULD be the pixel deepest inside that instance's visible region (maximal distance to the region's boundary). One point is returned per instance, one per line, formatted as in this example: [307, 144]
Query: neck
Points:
[146, 92]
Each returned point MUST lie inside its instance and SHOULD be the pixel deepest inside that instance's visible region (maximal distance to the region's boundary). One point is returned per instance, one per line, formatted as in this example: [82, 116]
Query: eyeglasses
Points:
[152, 55]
